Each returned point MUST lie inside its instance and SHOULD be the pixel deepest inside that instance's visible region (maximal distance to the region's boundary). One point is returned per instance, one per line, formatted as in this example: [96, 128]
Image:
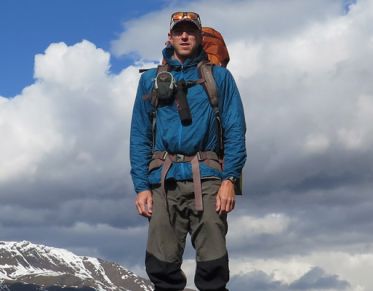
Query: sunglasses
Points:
[185, 15]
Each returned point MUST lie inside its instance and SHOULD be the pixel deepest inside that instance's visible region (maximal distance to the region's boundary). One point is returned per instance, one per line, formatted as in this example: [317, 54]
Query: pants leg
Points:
[166, 240]
[208, 231]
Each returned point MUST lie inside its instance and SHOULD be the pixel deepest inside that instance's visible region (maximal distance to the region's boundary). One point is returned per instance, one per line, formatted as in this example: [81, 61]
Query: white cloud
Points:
[316, 143]
[343, 268]
[28, 129]
[306, 95]
[77, 67]
[352, 267]
[245, 227]
[3, 100]
[76, 112]
[358, 134]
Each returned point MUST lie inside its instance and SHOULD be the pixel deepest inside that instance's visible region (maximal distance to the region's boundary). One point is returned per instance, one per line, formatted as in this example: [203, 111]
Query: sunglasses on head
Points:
[182, 15]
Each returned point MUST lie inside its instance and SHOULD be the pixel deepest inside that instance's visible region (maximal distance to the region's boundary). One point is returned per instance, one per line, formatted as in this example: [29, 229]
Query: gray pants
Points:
[174, 216]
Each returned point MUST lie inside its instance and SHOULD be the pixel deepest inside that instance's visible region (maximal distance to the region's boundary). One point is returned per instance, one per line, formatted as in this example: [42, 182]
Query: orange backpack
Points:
[214, 46]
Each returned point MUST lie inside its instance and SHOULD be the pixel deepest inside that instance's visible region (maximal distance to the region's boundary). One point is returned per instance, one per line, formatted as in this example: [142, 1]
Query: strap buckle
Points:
[164, 156]
[179, 158]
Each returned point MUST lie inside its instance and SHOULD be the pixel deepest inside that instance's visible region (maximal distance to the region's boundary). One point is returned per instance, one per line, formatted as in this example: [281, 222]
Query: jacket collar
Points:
[168, 53]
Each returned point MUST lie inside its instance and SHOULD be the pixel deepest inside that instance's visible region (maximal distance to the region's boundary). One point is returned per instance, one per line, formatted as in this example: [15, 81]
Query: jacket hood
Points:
[168, 53]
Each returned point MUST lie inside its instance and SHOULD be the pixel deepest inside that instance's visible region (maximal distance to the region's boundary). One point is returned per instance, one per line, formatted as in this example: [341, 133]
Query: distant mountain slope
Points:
[33, 287]
[40, 268]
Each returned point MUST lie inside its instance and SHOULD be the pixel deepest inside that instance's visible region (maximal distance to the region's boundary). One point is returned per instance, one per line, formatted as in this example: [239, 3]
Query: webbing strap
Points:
[166, 166]
[166, 159]
[197, 184]
[205, 71]
[210, 158]
[154, 124]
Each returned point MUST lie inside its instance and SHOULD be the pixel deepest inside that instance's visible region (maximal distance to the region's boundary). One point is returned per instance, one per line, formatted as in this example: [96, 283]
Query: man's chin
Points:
[185, 52]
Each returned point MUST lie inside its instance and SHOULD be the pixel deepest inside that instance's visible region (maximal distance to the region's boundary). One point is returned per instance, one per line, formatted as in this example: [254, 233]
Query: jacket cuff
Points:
[142, 188]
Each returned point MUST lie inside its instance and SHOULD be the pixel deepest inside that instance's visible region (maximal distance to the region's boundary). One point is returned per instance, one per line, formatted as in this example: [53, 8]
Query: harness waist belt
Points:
[166, 159]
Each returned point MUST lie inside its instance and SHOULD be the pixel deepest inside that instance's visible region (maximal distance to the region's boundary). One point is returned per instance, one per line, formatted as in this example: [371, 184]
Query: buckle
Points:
[179, 158]
[164, 156]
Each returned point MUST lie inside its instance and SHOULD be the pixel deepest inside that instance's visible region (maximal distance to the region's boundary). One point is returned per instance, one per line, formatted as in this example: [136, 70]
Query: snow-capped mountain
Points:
[45, 266]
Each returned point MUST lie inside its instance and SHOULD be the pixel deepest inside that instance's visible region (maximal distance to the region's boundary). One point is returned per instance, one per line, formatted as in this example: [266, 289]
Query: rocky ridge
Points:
[47, 268]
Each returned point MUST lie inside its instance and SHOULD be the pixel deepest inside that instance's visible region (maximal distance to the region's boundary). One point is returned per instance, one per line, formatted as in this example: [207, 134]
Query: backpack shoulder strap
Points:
[205, 71]
[154, 102]
[209, 84]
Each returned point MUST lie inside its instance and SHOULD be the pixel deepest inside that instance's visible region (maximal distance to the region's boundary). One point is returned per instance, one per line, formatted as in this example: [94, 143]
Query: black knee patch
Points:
[164, 275]
[212, 275]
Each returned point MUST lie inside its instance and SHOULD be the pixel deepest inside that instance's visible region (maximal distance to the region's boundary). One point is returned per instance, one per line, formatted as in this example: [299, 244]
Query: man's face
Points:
[185, 38]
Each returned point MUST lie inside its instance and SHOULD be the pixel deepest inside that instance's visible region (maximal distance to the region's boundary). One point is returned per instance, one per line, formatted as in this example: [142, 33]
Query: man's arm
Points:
[233, 121]
[141, 149]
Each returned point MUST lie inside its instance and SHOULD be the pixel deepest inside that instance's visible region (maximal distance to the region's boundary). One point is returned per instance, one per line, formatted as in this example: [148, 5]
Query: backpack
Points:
[214, 46]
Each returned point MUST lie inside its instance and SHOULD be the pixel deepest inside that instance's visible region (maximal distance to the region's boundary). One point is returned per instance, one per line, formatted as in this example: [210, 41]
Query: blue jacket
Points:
[200, 135]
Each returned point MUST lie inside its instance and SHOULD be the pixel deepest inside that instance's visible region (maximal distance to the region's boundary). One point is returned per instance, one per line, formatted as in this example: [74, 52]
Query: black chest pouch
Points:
[166, 91]
[164, 87]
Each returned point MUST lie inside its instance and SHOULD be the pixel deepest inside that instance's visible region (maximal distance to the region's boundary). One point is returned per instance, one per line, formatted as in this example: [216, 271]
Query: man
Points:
[180, 184]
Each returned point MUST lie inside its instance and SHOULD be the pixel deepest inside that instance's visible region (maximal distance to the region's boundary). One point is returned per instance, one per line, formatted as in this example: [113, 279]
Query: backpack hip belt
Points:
[165, 159]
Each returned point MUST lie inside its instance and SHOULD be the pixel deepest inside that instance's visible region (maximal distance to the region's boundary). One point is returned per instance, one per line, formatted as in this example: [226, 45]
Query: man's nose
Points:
[184, 34]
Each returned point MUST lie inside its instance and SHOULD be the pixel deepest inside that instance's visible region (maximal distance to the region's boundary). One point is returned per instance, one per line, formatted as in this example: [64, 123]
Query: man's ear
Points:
[169, 38]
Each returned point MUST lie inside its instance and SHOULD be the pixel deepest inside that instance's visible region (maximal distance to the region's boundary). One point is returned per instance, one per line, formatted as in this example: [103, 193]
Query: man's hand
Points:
[225, 199]
[144, 203]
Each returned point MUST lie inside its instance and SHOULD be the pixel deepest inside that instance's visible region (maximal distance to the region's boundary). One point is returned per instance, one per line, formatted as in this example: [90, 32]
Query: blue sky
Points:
[28, 27]
[303, 69]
